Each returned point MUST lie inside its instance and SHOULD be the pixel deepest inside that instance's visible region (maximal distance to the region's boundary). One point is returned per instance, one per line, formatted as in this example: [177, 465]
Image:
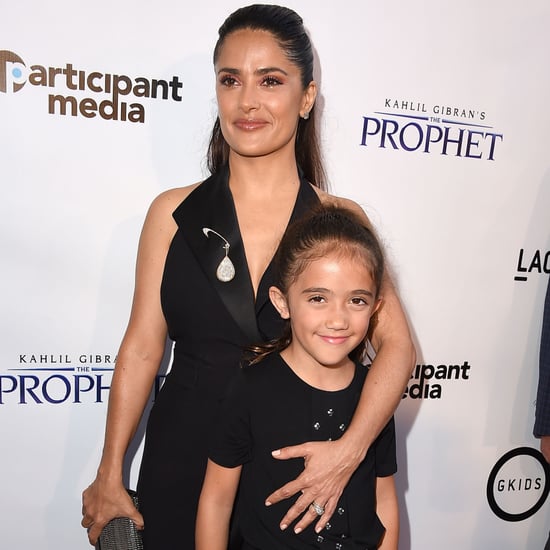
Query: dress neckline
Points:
[211, 205]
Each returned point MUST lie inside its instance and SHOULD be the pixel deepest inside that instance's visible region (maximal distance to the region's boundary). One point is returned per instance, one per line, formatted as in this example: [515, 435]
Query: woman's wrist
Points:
[109, 473]
[352, 448]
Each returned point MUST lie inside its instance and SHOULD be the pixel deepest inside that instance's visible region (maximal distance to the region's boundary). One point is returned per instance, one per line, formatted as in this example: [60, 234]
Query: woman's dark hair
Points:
[288, 29]
[326, 230]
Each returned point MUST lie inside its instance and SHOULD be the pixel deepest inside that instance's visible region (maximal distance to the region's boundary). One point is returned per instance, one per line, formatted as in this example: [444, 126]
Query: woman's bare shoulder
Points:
[164, 204]
[171, 198]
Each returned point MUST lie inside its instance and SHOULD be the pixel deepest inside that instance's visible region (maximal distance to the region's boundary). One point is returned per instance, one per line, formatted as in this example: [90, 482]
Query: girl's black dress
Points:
[268, 406]
[211, 322]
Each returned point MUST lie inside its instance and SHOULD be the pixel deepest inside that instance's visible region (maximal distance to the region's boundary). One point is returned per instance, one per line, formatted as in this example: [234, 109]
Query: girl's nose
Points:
[337, 319]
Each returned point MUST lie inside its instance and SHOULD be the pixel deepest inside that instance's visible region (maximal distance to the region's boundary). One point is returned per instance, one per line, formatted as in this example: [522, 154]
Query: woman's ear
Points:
[279, 302]
[310, 94]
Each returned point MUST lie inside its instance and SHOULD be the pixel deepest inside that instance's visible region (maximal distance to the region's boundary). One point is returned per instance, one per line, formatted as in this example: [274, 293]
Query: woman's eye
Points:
[271, 81]
[228, 81]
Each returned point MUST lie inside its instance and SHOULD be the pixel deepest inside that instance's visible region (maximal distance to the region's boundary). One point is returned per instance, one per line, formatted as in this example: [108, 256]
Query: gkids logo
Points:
[13, 72]
[518, 484]
[87, 93]
[413, 126]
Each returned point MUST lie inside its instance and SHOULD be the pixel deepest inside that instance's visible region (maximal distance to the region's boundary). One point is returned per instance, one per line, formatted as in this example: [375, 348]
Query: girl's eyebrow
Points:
[315, 289]
[362, 291]
[327, 291]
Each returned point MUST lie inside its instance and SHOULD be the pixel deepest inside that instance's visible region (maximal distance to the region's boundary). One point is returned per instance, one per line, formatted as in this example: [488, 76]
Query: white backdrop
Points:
[435, 120]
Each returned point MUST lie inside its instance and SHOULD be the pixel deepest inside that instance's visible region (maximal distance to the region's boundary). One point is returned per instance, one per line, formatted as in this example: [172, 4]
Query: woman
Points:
[203, 274]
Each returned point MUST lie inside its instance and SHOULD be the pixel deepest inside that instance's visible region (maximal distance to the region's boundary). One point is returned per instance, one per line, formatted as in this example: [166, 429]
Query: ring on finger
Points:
[317, 508]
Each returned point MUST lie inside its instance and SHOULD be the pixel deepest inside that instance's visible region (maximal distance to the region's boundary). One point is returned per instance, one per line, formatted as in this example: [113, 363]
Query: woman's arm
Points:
[137, 363]
[215, 507]
[388, 511]
[329, 465]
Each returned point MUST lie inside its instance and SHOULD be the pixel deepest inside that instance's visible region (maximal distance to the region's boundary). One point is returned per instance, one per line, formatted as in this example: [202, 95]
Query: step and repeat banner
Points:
[434, 118]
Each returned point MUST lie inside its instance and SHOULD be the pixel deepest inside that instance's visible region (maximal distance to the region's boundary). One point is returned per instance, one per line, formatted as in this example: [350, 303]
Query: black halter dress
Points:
[210, 322]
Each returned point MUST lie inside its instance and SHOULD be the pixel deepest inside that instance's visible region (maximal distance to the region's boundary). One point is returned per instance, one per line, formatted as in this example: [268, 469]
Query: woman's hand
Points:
[103, 501]
[328, 468]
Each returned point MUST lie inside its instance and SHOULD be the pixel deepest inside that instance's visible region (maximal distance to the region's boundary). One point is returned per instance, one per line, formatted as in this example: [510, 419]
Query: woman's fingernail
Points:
[283, 526]
[298, 530]
[276, 453]
[267, 503]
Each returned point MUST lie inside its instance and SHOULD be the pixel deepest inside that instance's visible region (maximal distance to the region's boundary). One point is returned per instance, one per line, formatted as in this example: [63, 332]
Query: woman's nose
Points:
[249, 98]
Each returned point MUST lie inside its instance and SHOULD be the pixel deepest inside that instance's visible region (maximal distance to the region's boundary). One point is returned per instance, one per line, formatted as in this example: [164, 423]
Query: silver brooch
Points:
[226, 269]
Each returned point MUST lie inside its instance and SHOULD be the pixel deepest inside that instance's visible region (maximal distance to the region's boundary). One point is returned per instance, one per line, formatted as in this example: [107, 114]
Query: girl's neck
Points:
[321, 377]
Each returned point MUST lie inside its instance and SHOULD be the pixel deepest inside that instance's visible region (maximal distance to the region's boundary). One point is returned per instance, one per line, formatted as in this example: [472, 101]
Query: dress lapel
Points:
[211, 205]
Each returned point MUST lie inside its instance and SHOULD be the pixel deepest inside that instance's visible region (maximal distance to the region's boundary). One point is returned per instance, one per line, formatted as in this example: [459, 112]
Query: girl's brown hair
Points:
[326, 230]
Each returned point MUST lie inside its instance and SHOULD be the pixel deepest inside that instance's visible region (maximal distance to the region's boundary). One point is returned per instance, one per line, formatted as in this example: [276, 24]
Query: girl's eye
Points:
[316, 299]
[358, 301]
[271, 81]
[228, 80]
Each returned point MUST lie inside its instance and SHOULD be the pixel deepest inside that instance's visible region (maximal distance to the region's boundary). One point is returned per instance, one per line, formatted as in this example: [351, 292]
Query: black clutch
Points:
[121, 533]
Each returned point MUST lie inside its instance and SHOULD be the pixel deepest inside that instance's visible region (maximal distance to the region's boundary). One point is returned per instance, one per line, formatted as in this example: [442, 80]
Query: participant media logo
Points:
[13, 72]
[85, 93]
[518, 484]
[427, 381]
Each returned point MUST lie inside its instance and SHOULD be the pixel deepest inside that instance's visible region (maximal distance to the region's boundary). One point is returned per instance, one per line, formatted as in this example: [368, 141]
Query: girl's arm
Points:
[329, 465]
[388, 512]
[215, 507]
[137, 363]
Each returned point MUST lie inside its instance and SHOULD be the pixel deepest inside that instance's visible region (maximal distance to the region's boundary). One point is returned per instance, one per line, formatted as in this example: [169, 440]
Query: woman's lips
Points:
[250, 124]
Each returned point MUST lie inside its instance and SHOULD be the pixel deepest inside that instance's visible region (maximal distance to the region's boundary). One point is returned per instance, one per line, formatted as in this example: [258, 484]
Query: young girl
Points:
[305, 386]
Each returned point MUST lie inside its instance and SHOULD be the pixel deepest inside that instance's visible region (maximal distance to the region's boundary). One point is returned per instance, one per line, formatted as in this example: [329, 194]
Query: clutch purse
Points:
[121, 533]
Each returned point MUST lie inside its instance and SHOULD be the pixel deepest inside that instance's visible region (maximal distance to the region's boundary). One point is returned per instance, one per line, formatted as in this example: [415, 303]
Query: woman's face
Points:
[260, 94]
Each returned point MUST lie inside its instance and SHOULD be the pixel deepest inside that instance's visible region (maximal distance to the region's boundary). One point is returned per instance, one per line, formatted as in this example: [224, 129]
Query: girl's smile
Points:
[329, 306]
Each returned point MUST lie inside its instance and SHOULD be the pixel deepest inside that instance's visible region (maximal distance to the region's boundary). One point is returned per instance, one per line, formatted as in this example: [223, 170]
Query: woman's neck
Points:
[265, 175]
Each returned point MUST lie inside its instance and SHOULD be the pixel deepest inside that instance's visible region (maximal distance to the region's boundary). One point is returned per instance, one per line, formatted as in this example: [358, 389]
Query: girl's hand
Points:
[328, 468]
[101, 502]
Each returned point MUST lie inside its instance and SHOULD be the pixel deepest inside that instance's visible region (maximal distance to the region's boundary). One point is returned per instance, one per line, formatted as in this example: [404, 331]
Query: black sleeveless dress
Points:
[211, 322]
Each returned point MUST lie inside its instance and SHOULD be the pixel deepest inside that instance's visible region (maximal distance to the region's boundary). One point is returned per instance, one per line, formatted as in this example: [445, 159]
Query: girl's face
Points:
[260, 94]
[329, 306]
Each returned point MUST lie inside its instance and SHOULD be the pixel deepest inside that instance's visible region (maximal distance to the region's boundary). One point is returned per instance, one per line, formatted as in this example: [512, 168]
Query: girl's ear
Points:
[279, 302]
[377, 305]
